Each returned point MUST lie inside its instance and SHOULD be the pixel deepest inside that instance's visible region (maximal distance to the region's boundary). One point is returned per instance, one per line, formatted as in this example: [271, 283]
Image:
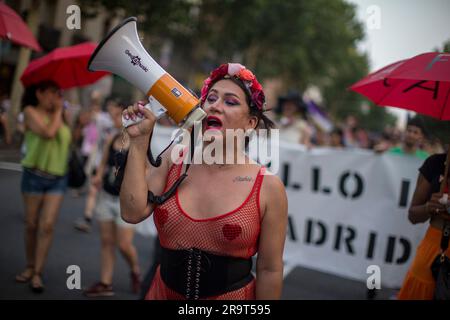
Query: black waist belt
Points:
[198, 274]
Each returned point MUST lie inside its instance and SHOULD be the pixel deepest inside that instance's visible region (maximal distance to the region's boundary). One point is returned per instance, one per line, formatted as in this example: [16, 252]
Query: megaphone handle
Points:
[158, 111]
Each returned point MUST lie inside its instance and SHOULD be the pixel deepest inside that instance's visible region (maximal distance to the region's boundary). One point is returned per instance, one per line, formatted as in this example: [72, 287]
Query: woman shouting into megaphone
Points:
[223, 213]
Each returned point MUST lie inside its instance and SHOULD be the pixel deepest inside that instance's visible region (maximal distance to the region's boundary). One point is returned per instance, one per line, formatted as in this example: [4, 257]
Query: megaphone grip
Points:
[157, 110]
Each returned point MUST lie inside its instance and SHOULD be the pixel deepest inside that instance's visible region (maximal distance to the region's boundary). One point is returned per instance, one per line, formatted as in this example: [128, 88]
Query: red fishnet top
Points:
[235, 233]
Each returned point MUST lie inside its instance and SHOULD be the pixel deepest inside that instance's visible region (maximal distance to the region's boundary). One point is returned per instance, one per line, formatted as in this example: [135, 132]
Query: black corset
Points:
[198, 274]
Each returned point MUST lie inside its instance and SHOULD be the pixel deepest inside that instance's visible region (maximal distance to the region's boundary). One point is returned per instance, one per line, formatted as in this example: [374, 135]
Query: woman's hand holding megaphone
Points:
[142, 128]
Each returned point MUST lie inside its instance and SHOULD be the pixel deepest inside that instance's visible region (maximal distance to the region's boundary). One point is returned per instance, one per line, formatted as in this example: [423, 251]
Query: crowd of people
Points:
[296, 125]
[290, 115]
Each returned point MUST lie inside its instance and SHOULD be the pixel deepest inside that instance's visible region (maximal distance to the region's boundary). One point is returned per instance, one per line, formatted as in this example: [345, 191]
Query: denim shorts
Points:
[33, 182]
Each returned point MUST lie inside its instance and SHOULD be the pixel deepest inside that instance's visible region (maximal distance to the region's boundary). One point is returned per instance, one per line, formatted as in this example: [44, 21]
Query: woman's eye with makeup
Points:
[231, 102]
[211, 98]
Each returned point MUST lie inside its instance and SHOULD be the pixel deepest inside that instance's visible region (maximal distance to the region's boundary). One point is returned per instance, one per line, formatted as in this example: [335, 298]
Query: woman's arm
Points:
[35, 122]
[422, 208]
[269, 264]
[140, 176]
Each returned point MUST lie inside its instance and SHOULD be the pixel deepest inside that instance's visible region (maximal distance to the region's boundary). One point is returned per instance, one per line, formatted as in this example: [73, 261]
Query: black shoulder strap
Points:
[158, 200]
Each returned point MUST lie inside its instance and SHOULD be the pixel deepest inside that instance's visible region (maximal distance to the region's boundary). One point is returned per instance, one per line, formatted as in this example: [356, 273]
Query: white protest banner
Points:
[348, 210]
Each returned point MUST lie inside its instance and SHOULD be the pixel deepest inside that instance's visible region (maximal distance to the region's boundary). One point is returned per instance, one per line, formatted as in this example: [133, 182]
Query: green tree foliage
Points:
[446, 47]
[299, 41]
[163, 18]
[302, 42]
[377, 118]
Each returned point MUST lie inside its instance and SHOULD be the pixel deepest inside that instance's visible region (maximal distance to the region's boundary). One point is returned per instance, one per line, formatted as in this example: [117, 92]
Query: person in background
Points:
[20, 131]
[337, 138]
[426, 207]
[362, 138]
[410, 146]
[384, 141]
[396, 136]
[5, 130]
[99, 130]
[319, 137]
[292, 120]
[114, 231]
[82, 119]
[433, 145]
[414, 136]
[349, 128]
[44, 179]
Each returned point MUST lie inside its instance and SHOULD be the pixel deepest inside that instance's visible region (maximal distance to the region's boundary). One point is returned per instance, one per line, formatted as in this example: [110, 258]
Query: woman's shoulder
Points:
[31, 113]
[272, 185]
[273, 197]
[433, 165]
[271, 178]
[439, 157]
[434, 160]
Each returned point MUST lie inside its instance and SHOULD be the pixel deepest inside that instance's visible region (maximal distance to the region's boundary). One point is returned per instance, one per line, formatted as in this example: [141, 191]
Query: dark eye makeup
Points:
[229, 100]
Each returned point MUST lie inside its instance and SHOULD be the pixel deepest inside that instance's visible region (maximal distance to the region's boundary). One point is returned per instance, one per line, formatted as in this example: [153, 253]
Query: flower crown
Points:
[238, 71]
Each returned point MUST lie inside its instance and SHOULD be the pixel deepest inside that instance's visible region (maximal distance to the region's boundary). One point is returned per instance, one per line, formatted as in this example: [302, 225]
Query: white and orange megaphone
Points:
[121, 53]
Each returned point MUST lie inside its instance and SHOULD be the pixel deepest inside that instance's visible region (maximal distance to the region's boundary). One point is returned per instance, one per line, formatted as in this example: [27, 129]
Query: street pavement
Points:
[70, 247]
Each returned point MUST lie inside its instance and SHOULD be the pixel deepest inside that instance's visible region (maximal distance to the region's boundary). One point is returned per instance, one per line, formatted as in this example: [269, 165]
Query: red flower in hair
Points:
[240, 72]
[256, 85]
[245, 74]
[259, 99]
[220, 72]
[205, 89]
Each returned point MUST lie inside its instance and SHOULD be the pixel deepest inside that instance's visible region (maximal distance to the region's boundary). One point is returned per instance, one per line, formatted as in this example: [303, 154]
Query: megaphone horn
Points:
[122, 53]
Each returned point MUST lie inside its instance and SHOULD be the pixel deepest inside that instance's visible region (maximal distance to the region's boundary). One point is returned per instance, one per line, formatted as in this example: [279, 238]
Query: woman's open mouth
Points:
[213, 122]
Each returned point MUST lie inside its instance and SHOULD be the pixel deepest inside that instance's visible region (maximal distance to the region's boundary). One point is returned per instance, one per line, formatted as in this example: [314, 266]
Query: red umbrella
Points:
[66, 66]
[420, 84]
[13, 28]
